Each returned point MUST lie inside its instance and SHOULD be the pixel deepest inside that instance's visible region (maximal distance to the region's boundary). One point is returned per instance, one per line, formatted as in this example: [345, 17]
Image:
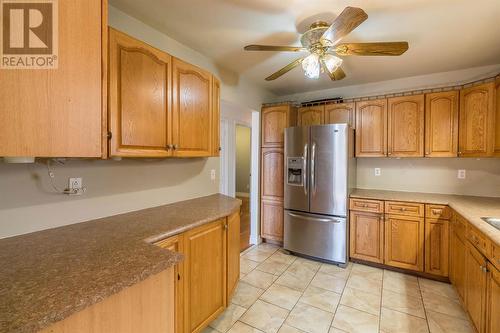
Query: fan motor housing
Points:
[311, 38]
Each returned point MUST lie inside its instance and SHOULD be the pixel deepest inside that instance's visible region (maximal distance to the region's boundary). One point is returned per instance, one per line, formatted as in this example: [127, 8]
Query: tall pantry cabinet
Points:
[274, 120]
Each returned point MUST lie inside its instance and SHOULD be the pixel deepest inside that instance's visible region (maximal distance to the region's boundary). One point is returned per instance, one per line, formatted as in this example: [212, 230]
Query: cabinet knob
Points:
[169, 147]
[174, 147]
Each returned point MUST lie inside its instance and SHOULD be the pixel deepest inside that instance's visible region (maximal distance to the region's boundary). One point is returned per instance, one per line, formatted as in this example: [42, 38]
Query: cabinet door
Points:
[406, 126]
[205, 274]
[367, 236]
[272, 173]
[192, 133]
[441, 124]
[274, 120]
[476, 126]
[216, 146]
[497, 118]
[271, 220]
[371, 128]
[175, 244]
[58, 112]
[311, 115]
[139, 94]
[436, 246]
[404, 242]
[493, 303]
[340, 113]
[475, 286]
[233, 253]
[457, 264]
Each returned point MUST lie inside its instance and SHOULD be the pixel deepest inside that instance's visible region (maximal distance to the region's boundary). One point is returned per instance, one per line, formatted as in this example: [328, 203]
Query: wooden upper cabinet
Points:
[274, 120]
[441, 124]
[371, 128]
[340, 113]
[272, 173]
[139, 95]
[311, 115]
[367, 236]
[404, 242]
[497, 118]
[59, 112]
[216, 146]
[406, 126]
[192, 133]
[477, 115]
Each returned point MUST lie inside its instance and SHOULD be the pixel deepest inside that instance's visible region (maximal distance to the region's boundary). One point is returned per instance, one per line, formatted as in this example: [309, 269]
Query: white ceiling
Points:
[444, 35]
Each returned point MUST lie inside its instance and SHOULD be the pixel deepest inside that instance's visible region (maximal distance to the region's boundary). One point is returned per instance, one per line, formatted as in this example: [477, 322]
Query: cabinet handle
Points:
[174, 147]
[225, 226]
[436, 211]
[484, 269]
[178, 277]
[169, 147]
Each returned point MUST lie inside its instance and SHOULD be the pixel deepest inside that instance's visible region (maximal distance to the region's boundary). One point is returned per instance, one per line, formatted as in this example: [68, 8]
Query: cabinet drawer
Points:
[495, 255]
[364, 205]
[437, 212]
[477, 239]
[404, 208]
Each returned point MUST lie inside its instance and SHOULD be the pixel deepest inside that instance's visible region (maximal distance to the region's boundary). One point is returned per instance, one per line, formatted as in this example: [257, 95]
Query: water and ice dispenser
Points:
[295, 171]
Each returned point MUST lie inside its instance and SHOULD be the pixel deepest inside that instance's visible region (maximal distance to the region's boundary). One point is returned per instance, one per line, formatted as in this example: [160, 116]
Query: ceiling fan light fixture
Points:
[332, 62]
[311, 66]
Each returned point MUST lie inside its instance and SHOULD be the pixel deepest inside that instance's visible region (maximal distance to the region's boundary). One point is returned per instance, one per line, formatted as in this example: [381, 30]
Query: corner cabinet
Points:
[159, 106]
[371, 128]
[406, 126]
[441, 124]
[140, 110]
[59, 112]
[207, 277]
[477, 121]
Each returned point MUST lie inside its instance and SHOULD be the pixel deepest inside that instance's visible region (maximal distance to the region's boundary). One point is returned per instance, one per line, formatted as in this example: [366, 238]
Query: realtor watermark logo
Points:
[29, 36]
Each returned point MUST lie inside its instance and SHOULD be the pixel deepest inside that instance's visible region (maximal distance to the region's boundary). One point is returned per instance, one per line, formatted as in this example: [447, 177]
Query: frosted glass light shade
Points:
[332, 62]
[311, 66]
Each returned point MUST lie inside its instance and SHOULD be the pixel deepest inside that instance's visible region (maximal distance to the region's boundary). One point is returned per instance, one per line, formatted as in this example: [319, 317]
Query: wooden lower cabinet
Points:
[209, 273]
[233, 250]
[271, 220]
[436, 246]
[457, 262]
[475, 286]
[404, 242]
[367, 236]
[493, 300]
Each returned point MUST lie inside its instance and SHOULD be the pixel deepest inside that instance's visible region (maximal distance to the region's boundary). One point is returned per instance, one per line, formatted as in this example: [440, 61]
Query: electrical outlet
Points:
[75, 184]
[461, 174]
[212, 174]
[378, 172]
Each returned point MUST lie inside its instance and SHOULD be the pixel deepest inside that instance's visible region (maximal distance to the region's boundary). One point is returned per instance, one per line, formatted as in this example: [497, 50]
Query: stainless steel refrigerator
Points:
[320, 170]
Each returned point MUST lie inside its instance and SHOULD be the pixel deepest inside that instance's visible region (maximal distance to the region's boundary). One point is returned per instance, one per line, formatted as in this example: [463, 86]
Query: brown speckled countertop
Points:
[47, 276]
[471, 208]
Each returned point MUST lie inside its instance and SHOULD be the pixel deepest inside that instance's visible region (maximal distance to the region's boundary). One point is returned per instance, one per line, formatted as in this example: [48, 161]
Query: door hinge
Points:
[110, 135]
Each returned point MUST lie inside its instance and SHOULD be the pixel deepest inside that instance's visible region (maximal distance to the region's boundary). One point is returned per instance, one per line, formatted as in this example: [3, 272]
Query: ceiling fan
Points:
[322, 42]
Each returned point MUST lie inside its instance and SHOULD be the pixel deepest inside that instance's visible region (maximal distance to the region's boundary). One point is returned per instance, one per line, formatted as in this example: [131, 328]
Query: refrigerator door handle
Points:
[305, 217]
[304, 172]
[313, 168]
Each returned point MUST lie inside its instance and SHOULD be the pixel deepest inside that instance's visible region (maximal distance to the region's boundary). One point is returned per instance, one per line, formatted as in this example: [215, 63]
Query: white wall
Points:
[28, 202]
[434, 175]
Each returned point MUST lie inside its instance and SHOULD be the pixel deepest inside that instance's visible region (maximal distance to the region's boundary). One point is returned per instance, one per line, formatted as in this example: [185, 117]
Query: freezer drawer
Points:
[319, 236]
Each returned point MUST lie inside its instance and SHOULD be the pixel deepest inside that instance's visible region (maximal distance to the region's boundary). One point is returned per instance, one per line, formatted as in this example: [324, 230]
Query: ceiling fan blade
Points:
[274, 48]
[372, 49]
[284, 70]
[335, 76]
[347, 21]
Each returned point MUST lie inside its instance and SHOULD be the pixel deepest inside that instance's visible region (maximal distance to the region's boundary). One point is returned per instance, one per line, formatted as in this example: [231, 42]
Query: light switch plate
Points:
[75, 184]
[378, 172]
[461, 174]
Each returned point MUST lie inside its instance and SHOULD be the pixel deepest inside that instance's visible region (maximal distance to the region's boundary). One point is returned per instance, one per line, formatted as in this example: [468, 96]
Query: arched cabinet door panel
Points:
[371, 128]
[139, 94]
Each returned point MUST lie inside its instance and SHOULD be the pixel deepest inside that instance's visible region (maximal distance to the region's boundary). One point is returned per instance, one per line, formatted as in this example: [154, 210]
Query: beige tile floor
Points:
[280, 293]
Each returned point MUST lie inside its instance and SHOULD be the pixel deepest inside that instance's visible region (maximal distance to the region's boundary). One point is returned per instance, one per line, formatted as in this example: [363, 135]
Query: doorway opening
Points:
[243, 176]
[239, 165]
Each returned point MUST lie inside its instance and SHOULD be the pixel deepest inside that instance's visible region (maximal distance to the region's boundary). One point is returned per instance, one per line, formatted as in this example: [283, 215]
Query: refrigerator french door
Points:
[318, 169]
